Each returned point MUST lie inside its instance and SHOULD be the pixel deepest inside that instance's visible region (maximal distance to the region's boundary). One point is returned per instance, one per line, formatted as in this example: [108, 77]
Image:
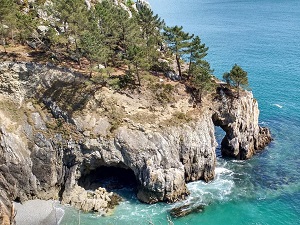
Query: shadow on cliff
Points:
[68, 97]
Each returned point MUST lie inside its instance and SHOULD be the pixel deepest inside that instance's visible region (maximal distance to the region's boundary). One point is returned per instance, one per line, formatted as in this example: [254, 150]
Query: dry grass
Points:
[12, 111]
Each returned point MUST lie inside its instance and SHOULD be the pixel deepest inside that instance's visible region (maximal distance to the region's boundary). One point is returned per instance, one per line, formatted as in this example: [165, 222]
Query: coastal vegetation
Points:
[237, 77]
[112, 45]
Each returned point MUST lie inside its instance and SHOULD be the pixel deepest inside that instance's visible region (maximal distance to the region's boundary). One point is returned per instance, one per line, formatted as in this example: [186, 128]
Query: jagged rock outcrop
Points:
[238, 117]
[99, 200]
[56, 128]
[162, 161]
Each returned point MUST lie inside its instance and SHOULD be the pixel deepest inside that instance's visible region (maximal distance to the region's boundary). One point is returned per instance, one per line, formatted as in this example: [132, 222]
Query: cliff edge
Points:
[58, 129]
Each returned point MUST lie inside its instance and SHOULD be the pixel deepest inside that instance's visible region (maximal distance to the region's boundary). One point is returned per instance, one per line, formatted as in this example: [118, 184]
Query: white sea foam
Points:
[277, 105]
[221, 170]
[217, 190]
[201, 193]
[263, 123]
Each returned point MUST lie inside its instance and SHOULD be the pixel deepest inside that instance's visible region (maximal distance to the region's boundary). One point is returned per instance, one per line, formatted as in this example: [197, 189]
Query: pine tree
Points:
[128, 31]
[93, 48]
[27, 24]
[73, 17]
[236, 77]
[136, 57]
[105, 14]
[178, 42]
[197, 52]
[8, 11]
[119, 29]
[151, 25]
[201, 82]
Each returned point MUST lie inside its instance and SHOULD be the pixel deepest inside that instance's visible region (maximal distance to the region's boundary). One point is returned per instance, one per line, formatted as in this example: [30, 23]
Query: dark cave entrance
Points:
[111, 178]
[219, 134]
[221, 131]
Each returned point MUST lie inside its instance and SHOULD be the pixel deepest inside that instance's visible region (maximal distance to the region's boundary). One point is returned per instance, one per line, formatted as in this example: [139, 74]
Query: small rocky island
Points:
[104, 89]
[56, 129]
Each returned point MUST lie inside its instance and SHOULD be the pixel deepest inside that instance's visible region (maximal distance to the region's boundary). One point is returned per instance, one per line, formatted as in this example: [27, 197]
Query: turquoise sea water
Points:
[263, 36]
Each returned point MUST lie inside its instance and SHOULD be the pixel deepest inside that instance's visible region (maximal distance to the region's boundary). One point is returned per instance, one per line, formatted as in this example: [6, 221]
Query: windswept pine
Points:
[236, 77]
[178, 42]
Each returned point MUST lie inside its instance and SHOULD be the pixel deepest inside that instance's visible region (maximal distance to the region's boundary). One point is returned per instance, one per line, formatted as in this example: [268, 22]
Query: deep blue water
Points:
[262, 36]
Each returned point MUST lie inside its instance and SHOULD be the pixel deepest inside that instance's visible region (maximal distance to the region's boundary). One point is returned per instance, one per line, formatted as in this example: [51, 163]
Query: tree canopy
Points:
[106, 33]
[236, 77]
[178, 42]
[197, 52]
[201, 82]
[8, 13]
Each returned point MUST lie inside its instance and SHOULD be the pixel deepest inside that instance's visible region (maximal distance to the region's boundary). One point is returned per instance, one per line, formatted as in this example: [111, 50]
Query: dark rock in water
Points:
[115, 200]
[185, 210]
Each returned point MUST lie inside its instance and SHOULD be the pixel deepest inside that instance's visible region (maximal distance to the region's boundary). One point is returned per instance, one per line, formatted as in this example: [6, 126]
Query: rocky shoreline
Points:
[56, 128]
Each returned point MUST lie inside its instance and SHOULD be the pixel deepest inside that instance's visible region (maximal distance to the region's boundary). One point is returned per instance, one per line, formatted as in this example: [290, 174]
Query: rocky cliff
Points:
[57, 128]
[238, 117]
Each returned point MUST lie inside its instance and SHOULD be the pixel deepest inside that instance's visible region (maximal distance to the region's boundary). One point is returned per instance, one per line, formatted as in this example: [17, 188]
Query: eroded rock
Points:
[44, 155]
[185, 210]
[238, 117]
[99, 200]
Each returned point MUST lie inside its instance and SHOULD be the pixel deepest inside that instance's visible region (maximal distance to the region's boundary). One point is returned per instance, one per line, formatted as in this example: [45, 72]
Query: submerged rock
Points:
[185, 210]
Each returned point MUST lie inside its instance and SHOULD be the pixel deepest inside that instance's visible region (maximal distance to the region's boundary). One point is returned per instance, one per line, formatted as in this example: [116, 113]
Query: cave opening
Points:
[219, 134]
[109, 177]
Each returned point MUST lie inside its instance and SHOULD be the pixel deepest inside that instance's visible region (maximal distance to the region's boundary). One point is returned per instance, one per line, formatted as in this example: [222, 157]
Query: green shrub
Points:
[163, 92]
[180, 116]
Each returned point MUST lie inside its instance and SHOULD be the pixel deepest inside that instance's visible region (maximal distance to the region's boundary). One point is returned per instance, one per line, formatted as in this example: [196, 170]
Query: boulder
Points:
[99, 200]
[185, 210]
[172, 75]
[42, 29]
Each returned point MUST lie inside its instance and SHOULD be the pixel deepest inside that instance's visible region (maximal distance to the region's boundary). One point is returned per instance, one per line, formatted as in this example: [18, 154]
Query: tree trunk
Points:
[200, 96]
[178, 65]
[12, 37]
[91, 69]
[137, 74]
[190, 65]
[1, 31]
[3, 36]
[77, 54]
[4, 44]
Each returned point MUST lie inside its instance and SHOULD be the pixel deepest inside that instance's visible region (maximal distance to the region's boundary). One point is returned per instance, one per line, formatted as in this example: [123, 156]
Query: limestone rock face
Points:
[162, 161]
[238, 117]
[56, 129]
